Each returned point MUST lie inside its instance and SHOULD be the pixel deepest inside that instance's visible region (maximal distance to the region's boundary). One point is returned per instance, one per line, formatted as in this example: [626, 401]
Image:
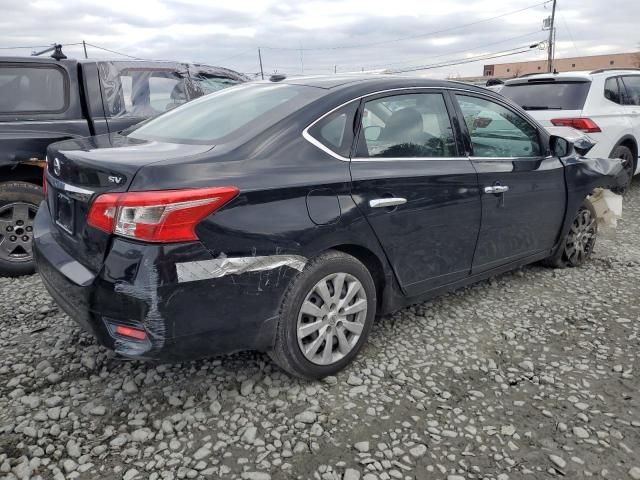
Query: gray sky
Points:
[348, 34]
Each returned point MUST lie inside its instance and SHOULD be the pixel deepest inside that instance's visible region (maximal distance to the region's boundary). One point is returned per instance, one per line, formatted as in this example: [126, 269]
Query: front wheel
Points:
[578, 244]
[18, 206]
[325, 316]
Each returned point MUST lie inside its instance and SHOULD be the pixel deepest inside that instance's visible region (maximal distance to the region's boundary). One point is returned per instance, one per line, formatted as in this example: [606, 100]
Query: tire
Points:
[629, 164]
[18, 205]
[347, 333]
[577, 245]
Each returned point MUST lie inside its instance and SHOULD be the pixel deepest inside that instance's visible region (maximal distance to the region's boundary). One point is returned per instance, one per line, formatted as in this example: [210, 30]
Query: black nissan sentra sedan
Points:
[284, 216]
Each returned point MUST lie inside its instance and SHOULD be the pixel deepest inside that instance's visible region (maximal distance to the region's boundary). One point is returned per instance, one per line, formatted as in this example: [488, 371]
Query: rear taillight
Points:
[129, 332]
[584, 124]
[158, 216]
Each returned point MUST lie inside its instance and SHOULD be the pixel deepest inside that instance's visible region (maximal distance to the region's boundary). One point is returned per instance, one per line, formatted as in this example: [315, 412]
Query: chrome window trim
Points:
[309, 138]
[407, 159]
[60, 185]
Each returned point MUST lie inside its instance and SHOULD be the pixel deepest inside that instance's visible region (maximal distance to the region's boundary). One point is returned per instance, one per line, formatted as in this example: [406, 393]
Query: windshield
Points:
[548, 95]
[227, 115]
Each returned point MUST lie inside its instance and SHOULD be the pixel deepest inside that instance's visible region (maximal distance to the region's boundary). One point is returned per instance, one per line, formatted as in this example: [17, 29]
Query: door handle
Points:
[387, 202]
[496, 189]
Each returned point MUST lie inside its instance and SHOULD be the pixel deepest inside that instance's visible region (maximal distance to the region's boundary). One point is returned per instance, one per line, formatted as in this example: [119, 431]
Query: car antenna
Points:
[57, 52]
[277, 77]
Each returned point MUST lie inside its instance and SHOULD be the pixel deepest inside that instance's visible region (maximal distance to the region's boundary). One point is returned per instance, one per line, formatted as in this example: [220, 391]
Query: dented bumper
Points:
[188, 303]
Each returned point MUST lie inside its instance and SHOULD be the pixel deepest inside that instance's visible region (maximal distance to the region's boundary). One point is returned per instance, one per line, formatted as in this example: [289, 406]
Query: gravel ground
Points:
[532, 374]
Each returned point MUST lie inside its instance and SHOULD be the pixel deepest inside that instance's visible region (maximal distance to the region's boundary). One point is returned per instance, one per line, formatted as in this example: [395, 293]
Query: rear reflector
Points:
[157, 216]
[131, 332]
[584, 124]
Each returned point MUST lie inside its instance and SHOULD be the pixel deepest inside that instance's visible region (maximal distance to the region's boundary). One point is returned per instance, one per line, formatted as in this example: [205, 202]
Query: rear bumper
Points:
[184, 317]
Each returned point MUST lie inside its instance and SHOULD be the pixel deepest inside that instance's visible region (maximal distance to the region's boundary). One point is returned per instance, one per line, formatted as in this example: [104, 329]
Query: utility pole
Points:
[84, 45]
[552, 37]
[260, 60]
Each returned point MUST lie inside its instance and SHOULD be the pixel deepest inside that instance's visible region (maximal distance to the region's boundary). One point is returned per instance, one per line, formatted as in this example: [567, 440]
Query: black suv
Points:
[44, 100]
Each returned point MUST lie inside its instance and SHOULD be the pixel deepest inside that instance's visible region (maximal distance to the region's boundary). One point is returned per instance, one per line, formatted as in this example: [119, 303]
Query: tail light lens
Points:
[158, 216]
[584, 124]
[130, 332]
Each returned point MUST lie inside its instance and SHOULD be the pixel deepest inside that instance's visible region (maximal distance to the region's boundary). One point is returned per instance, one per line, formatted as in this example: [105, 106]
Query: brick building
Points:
[615, 60]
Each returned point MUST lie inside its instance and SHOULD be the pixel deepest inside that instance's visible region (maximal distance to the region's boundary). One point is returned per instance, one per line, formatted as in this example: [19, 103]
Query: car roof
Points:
[374, 81]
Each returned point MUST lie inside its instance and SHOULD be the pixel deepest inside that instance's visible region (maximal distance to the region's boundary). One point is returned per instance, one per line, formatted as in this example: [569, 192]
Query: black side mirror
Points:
[572, 141]
[560, 147]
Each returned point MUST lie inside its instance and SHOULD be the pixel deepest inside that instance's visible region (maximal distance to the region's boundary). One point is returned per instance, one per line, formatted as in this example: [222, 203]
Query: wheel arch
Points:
[372, 262]
[22, 172]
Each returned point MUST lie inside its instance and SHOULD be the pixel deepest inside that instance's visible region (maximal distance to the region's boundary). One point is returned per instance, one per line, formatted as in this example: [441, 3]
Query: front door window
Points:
[497, 132]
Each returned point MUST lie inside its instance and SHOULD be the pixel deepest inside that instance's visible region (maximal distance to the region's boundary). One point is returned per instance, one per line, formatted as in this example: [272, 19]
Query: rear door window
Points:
[632, 87]
[415, 125]
[33, 89]
[548, 95]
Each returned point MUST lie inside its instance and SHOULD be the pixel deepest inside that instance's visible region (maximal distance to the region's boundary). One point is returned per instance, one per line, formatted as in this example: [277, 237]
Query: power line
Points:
[411, 37]
[369, 67]
[488, 56]
[231, 57]
[113, 51]
[566, 25]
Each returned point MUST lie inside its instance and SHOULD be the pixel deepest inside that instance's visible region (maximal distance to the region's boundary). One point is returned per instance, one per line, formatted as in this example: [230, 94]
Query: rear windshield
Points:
[548, 95]
[228, 114]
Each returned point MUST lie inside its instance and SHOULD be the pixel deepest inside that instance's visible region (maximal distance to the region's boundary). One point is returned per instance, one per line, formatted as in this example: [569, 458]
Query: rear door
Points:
[416, 189]
[523, 188]
[631, 98]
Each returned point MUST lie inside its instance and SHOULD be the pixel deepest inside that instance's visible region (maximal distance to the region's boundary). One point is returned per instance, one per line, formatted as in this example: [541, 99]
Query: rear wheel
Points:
[629, 164]
[325, 316]
[578, 244]
[18, 206]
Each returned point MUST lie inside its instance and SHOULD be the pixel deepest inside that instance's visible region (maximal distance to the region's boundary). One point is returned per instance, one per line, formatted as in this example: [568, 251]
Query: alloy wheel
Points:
[581, 237]
[332, 318]
[627, 162]
[16, 231]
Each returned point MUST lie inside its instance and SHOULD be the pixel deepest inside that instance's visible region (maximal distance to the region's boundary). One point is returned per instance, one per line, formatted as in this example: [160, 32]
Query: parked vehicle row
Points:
[284, 216]
[44, 100]
[603, 103]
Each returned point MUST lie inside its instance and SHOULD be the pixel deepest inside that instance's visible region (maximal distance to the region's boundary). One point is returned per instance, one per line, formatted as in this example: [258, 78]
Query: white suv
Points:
[603, 103]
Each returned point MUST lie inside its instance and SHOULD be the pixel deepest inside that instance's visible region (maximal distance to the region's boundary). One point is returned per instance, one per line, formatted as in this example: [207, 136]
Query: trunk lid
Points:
[81, 169]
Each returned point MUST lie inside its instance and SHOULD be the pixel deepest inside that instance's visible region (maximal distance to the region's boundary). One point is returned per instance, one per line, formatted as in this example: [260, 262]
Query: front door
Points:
[416, 189]
[523, 189]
